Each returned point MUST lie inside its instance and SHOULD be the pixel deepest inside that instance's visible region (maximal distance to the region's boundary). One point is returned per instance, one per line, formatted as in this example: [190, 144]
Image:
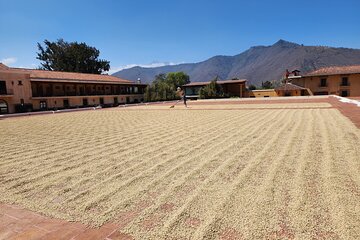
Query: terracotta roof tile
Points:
[57, 75]
[334, 70]
[219, 82]
[3, 66]
[289, 86]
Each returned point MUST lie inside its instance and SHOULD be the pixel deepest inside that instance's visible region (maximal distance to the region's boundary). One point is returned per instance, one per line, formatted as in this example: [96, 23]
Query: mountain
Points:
[257, 64]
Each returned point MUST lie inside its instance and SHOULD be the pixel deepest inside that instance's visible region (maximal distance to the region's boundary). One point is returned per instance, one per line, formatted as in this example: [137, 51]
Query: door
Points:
[3, 107]
[3, 87]
[344, 93]
[85, 102]
[101, 101]
[66, 103]
[43, 105]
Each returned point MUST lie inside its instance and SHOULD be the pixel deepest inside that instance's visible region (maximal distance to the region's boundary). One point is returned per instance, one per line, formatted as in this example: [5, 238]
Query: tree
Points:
[164, 87]
[252, 87]
[266, 85]
[212, 90]
[70, 57]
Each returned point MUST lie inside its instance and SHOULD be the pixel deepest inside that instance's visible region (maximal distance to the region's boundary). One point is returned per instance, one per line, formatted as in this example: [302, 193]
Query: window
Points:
[345, 81]
[43, 105]
[344, 93]
[85, 102]
[321, 93]
[3, 87]
[66, 103]
[20, 83]
[3, 107]
[323, 82]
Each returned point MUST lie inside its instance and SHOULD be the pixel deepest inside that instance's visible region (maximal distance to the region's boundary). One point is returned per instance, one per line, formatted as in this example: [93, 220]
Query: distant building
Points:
[23, 90]
[290, 89]
[261, 93]
[342, 80]
[232, 88]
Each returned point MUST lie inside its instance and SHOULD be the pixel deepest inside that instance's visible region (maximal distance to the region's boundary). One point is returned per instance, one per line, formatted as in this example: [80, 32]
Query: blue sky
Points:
[149, 33]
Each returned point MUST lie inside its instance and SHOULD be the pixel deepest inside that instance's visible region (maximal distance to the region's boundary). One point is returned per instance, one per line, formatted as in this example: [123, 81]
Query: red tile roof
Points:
[70, 76]
[289, 87]
[334, 70]
[3, 66]
[218, 82]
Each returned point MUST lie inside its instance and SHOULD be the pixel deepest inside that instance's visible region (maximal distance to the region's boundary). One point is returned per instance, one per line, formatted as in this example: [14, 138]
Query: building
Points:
[342, 80]
[261, 93]
[290, 89]
[231, 88]
[23, 90]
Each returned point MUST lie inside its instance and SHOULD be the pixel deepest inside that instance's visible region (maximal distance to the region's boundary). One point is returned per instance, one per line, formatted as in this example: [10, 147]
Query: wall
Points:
[77, 101]
[233, 89]
[282, 93]
[333, 84]
[261, 93]
[16, 91]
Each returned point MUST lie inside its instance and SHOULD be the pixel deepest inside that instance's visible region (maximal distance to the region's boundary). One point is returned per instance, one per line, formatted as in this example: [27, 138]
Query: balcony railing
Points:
[6, 92]
[93, 93]
[344, 84]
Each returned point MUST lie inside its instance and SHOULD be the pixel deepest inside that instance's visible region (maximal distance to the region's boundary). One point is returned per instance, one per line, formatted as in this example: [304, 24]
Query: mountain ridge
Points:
[257, 64]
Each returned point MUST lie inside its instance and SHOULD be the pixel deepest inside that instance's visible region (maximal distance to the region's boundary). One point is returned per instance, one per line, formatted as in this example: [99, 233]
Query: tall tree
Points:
[71, 57]
[164, 87]
[212, 90]
[266, 85]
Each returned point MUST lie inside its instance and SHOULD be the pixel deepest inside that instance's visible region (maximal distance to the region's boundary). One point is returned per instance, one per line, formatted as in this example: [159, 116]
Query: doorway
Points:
[66, 103]
[85, 102]
[3, 107]
[43, 105]
[3, 88]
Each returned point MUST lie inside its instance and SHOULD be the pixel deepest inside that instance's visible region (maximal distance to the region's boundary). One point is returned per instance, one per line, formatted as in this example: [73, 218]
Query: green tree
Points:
[266, 85]
[252, 87]
[212, 90]
[164, 87]
[147, 95]
[70, 57]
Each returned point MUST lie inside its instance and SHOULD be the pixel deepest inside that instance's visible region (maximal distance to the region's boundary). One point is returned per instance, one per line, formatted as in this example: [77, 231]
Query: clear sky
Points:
[154, 32]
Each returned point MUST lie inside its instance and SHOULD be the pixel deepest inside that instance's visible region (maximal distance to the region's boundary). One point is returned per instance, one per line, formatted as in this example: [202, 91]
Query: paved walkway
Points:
[21, 224]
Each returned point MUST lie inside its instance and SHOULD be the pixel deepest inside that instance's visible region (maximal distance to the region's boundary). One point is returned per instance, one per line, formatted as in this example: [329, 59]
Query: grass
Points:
[248, 173]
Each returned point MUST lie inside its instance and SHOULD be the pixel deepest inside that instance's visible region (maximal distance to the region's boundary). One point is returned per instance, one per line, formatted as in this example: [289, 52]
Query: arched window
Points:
[3, 107]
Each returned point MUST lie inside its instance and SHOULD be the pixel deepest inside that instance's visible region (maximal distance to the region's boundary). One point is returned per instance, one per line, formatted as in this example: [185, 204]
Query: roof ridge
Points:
[49, 74]
[334, 70]
[55, 71]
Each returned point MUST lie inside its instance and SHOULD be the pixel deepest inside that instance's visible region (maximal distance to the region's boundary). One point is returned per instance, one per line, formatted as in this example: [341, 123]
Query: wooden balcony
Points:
[6, 92]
